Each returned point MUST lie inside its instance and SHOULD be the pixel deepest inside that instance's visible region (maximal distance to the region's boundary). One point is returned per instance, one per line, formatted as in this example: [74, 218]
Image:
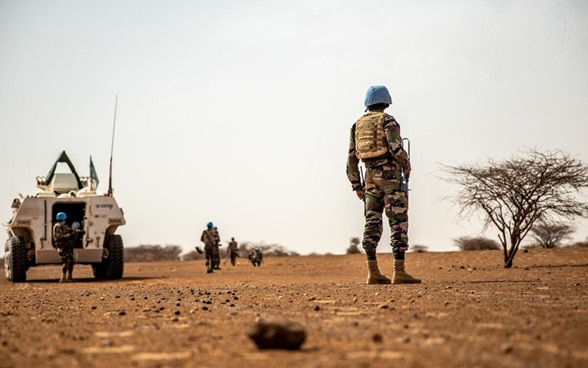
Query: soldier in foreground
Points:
[209, 240]
[232, 251]
[63, 241]
[256, 257]
[375, 140]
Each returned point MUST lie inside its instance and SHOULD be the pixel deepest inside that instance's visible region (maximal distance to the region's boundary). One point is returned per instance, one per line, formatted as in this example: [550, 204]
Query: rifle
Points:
[403, 177]
[361, 178]
[362, 184]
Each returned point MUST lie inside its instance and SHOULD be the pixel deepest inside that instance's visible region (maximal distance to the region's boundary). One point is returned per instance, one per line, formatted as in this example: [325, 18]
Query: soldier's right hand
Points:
[360, 194]
[407, 170]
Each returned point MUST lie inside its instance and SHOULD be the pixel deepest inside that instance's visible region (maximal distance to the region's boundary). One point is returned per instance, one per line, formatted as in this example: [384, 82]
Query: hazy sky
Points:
[238, 112]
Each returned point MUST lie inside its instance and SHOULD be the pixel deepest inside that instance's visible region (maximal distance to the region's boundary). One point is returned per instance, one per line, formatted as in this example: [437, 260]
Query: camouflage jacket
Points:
[61, 234]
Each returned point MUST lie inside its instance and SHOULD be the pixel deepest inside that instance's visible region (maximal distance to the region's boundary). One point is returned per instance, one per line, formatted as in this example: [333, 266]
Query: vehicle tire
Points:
[116, 258]
[15, 260]
[112, 267]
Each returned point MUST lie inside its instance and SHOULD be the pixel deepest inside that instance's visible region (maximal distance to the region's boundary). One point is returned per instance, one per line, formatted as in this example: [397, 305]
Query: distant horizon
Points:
[239, 113]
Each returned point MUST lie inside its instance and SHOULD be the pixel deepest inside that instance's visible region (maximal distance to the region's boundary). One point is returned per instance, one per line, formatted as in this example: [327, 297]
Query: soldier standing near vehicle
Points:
[209, 239]
[232, 251]
[376, 141]
[63, 238]
[216, 250]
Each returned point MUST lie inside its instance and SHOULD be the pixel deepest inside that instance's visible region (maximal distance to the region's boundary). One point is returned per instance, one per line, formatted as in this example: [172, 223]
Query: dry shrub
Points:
[269, 250]
[476, 243]
[580, 244]
[354, 246]
[418, 248]
[193, 255]
[153, 253]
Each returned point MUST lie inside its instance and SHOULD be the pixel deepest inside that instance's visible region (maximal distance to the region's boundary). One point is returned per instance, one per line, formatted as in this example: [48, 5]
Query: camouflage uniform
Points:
[63, 238]
[382, 187]
[255, 256]
[215, 250]
[209, 240]
[232, 251]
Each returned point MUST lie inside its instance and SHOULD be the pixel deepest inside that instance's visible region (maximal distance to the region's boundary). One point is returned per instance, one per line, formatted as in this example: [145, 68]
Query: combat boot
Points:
[70, 272]
[401, 276]
[63, 278]
[374, 276]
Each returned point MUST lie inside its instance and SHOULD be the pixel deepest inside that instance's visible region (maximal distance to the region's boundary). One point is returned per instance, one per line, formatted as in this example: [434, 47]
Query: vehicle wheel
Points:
[115, 262]
[15, 260]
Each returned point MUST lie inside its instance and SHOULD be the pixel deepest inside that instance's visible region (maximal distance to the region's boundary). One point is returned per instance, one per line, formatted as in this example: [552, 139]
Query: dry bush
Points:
[354, 246]
[153, 253]
[269, 250]
[418, 248]
[476, 243]
[580, 244]
[193, 256]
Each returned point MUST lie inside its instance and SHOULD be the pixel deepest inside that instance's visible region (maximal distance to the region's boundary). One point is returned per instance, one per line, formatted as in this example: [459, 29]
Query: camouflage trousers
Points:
[65, 251]
[209, 255]
[215, 257]
[383, 194]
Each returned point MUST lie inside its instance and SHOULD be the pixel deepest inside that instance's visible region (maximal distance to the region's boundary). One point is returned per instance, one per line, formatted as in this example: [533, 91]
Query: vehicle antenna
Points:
[112, 148]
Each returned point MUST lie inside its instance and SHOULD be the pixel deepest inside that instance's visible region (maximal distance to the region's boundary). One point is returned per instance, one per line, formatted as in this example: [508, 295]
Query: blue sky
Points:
[238, 112]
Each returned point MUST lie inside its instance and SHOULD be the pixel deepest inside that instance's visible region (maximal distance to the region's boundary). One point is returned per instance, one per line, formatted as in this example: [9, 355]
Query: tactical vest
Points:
[208, 237]
[370, 138]
[59, 234]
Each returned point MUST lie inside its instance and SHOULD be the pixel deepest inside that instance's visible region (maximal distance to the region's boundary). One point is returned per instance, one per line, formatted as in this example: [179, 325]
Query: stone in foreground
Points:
[278, 333]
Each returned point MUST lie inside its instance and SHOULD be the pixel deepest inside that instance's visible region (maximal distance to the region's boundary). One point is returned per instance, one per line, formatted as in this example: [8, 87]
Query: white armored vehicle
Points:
[30, 241]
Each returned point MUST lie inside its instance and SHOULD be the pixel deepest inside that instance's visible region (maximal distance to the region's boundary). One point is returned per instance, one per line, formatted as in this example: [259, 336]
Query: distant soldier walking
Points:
[232, 251]
[376, 141]
[209, 239]
[63, 241]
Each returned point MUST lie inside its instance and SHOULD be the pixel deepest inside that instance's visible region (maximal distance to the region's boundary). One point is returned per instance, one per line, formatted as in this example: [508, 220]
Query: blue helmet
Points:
[61, 216]
[377, 95]
[209, 225]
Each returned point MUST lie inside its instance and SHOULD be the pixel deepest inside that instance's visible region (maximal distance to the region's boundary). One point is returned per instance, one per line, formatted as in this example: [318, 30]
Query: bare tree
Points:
[514, 193]
[551, 234]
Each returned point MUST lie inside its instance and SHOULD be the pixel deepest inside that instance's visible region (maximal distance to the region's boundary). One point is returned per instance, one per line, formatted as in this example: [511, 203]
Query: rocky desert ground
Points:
[468, 312]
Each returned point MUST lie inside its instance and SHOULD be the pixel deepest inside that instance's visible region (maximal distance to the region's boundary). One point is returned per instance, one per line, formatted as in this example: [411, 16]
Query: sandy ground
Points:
[468, 312]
